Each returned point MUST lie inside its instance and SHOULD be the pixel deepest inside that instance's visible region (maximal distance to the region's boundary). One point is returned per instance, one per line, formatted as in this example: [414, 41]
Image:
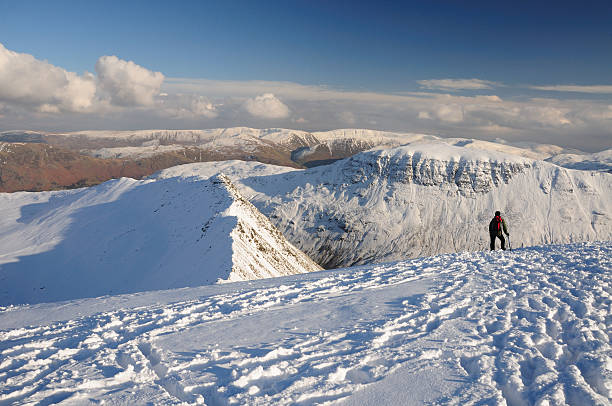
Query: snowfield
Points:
[527, 327]
[106, 293]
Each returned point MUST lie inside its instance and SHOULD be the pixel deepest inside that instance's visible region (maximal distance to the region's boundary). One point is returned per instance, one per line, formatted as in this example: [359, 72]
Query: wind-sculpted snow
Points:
[530, 326]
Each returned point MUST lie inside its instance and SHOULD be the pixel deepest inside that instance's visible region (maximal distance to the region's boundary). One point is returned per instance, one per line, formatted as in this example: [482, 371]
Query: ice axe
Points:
[509, 243]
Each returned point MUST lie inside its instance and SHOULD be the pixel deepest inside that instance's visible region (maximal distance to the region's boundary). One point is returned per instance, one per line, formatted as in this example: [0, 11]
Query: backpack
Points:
[495, 226]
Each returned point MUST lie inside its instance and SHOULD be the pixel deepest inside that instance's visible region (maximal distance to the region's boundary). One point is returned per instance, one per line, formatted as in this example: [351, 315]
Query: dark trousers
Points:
[501, 237]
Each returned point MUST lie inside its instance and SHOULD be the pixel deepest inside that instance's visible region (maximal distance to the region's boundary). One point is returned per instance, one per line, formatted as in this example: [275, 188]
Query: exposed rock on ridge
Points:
[259, 249]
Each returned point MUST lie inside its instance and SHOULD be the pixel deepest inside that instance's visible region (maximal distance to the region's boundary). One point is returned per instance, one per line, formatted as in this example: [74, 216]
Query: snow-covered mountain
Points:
[303, 146]
[130, 236]
[600, 161]
[527, 327]
[422, 199]
[46, 161]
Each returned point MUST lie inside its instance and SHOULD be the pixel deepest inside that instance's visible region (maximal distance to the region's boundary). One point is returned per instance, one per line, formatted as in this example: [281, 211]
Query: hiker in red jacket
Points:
[495, 230]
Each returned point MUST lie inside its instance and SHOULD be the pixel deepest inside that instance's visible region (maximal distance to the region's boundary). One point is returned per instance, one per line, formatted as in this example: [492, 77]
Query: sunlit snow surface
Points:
[531, 326]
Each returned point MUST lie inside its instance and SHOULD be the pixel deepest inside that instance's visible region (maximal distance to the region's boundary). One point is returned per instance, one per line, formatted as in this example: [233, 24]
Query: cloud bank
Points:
[40, 86]
[37, 95]
[37, 85]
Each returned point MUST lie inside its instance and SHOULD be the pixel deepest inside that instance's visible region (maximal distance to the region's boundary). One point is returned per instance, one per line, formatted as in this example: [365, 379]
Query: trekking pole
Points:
[509, 243]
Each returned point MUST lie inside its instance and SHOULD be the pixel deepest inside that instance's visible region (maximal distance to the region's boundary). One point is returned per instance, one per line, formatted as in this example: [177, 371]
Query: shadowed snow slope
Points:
[527, 327]
[129, 236]
[423, 199]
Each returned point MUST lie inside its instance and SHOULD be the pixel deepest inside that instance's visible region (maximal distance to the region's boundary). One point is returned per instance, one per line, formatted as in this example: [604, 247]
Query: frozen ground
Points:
[527, 327]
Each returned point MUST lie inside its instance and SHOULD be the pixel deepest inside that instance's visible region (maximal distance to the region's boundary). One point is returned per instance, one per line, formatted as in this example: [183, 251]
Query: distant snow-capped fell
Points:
[600, 161]
[422, 199]
[112, 154]
[128, 236]
[296, 139]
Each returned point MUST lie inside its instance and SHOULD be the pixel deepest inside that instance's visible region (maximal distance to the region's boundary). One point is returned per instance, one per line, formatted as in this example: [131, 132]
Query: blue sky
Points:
[519, 52]
[355, 45]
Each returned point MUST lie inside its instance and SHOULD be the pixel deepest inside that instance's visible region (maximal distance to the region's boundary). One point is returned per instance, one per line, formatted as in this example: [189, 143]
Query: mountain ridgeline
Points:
[127, 236]
[470, 176]
[37, 161]
[412, 201]
[425, 197]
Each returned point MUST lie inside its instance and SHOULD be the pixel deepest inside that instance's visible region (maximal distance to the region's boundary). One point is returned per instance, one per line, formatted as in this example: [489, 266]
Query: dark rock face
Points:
[469, 176]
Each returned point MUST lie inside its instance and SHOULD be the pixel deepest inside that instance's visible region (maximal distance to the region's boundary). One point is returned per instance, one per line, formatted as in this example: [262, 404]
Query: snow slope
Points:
[527, 327]
[422, 199]
[128, 236]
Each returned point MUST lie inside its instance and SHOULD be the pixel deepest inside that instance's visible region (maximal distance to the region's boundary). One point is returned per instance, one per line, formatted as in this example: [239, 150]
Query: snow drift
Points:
[129, 236]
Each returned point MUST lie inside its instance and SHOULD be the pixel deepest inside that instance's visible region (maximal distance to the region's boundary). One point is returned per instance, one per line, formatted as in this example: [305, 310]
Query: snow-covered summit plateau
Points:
[527, 327]
[128, 236]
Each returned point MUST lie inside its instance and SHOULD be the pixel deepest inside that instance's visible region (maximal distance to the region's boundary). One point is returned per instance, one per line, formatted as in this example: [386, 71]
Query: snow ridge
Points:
[419, 200]
[259, 249]
[425, 199]
[127, 236]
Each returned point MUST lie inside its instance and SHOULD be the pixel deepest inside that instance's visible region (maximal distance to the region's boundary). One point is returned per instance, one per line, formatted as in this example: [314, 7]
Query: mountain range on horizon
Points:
[36, 161]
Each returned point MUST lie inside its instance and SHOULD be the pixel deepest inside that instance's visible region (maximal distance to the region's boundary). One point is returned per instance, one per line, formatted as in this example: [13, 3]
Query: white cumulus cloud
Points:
[266, 106]
[39, 85]
[127, 83]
